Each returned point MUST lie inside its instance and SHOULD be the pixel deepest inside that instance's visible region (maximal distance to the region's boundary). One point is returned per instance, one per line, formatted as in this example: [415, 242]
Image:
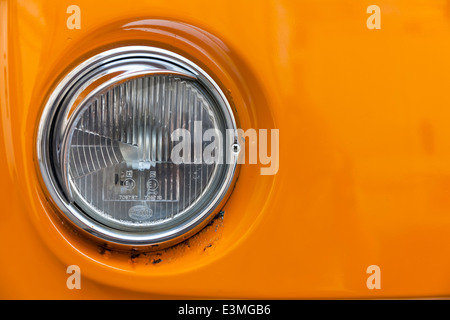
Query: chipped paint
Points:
[202, 242]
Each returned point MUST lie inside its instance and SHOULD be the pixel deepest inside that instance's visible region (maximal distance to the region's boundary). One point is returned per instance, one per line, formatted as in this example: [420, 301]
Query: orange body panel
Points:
[364, 174]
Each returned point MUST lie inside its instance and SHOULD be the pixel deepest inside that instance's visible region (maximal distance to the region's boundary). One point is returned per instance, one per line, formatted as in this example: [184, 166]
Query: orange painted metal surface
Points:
[364, 175]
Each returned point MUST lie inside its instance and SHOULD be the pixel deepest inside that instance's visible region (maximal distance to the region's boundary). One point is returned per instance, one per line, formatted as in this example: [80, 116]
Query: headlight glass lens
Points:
[119, 156]
[107, 139]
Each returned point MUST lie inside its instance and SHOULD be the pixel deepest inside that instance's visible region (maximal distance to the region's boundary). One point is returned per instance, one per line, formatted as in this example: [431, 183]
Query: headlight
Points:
[106, 138]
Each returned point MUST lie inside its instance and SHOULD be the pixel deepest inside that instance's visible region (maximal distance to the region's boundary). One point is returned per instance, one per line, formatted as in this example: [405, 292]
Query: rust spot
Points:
[213, 221]
[104, 250]
[135, 256]
[196, 244]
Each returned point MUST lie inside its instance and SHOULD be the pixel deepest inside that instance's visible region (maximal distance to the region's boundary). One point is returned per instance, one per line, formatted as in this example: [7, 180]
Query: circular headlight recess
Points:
[105, 142]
